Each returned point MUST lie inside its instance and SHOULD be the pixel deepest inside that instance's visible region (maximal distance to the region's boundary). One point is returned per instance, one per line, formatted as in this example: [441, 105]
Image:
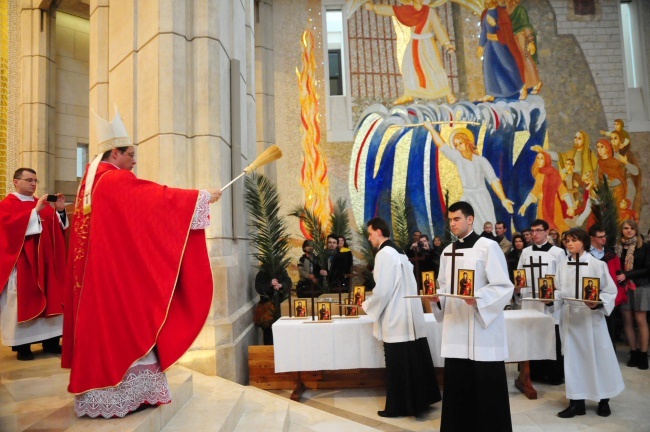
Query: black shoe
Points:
[634, 358]
[51, 346]
[386, 414]
[642, 359]
[24, 353]
[572, 411]
[603, 409]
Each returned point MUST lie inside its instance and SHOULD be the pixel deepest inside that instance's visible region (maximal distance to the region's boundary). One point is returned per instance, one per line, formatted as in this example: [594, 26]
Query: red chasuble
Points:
[138, 277]
[39, 259]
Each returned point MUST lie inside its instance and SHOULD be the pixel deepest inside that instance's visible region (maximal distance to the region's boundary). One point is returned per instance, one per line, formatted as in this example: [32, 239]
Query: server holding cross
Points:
[550, 257]
[592, 369]
[474, 342]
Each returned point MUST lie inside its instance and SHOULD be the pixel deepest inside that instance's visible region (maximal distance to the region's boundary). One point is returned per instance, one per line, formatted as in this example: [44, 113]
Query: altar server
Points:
[592, 370]
[474, 342]
[399, 322]
[551, 371]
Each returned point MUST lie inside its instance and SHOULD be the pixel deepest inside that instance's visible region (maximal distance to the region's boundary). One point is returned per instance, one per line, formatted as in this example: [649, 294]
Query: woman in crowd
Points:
[346, 255]
[554, 237]
[512, 257]
[635, 262]
[590, 364]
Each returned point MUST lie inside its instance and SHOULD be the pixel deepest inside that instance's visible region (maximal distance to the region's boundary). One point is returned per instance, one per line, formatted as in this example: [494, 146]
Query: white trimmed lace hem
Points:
[142, 385]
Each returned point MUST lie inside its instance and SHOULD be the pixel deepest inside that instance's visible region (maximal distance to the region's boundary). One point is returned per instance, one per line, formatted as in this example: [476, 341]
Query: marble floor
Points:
[31, 392]
[630, 410]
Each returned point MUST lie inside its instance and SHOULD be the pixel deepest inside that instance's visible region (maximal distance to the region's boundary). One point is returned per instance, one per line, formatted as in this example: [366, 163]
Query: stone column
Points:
[167, 66]
[37, 74]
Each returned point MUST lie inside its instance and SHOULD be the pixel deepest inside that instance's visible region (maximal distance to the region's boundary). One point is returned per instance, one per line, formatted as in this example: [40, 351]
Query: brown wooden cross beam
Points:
[577, 263]
[453, 256]
[416, 263]
[533, 265]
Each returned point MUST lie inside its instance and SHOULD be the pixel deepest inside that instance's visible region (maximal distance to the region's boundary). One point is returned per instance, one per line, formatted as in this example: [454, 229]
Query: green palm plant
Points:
[267, 229]
[368, 255]
[315, 230]
[605, 211]
[339, 220]
[399, 214]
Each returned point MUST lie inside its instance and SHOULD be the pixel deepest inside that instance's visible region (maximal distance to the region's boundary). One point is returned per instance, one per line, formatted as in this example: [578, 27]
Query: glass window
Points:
[336, 51]
[82, 159]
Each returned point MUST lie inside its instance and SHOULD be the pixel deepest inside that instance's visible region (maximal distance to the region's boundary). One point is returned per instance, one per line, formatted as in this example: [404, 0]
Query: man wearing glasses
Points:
[32, 267]
[600, 251]
[551, 371]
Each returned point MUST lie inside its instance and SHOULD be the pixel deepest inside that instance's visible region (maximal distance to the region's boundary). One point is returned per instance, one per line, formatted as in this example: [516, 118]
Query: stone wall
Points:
[71, 118]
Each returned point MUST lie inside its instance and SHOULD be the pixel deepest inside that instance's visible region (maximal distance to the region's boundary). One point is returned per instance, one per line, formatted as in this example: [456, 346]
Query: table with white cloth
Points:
[349, 344]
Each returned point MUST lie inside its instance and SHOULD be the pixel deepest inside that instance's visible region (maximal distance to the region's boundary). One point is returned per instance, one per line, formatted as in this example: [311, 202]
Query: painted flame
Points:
[314, 179]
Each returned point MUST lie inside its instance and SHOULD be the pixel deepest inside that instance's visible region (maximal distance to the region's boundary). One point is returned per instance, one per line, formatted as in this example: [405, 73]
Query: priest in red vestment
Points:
[139, 281]
[32, 267]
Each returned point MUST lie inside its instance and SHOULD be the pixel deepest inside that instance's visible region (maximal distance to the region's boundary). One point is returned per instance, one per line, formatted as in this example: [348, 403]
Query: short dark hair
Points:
[18, 174]
[424, 236]
[579, 234]
[305, 244]
[333, 236]
[501, 223]
[526, 230]
[518, 236]
[107, 153]
[538, 222]
[595, 229]
[465, 207]
[379, 224]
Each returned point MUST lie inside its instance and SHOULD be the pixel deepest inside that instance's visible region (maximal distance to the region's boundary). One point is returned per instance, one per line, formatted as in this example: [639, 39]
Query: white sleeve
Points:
[34, 226]
[385, 272]
[439, 314]
[497, 293]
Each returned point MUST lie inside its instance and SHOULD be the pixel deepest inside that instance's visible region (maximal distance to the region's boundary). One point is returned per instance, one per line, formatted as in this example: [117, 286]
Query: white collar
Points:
[24, 197]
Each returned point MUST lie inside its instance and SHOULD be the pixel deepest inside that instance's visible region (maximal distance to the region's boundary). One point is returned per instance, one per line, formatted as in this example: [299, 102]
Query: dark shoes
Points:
[386, 414]
[577, 407]
[634, 358]
[51, 346]
[642, 360]
[603, 408]
[24, 353]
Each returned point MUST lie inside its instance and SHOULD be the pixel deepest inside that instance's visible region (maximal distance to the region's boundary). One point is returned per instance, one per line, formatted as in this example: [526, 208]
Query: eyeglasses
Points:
[30, 180]
[539, 230]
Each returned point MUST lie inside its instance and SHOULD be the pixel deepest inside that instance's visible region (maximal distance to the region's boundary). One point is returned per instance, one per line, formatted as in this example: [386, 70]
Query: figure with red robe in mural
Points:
[549, 192]
[503, 66]
[423, 74]
[584, 158]
[526, 40]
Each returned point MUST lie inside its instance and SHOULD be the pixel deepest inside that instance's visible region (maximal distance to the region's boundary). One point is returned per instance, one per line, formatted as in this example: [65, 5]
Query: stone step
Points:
[148, 420]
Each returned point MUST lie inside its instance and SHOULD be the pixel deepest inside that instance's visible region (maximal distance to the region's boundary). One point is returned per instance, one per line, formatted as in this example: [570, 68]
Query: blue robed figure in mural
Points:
[493, 180]
[502, 62]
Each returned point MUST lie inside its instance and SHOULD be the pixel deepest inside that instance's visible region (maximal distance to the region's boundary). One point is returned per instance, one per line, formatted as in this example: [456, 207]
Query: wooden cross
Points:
[577, 263]
[416, 263]
[533, 265]
[453, 256]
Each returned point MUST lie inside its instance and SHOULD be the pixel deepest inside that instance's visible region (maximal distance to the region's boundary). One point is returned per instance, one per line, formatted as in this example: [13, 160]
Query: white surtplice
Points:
[590, 365]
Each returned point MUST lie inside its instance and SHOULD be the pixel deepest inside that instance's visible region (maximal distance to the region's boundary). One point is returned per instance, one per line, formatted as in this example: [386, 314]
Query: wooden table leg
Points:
[298, 389]
[523, 382]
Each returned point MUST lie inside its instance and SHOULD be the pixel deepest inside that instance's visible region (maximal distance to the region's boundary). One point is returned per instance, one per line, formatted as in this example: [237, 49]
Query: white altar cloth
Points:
[349, 344]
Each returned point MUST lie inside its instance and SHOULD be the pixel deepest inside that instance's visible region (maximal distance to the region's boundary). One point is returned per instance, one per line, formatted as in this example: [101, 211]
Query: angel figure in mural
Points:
[423, 74]
[583, 157]
[474, 171]
[526, 40]
[554, 202]
[503, 66]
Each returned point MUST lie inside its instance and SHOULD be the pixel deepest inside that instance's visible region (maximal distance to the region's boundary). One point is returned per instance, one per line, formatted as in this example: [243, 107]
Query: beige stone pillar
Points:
[37, 74]
[167, 66]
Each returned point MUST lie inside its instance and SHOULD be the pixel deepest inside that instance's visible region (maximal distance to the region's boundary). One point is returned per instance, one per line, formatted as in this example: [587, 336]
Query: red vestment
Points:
[138, 277]
[39, 259]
